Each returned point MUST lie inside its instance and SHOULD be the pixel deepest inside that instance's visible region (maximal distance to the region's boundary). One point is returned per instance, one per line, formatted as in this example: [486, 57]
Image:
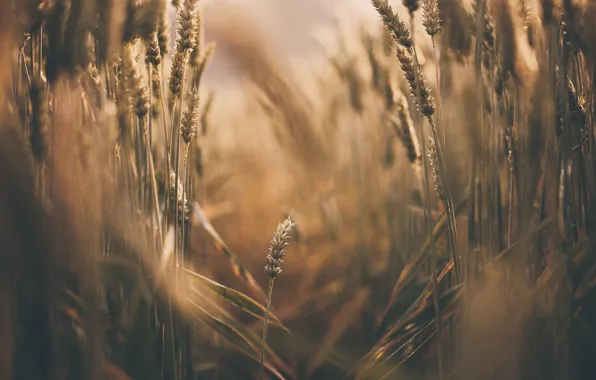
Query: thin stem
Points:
[172, 129]
[185, 182]
[153, 183]
[165, 124]
[150, 88]
[176, 153]
[167, 152]
[427, 211]
[450, 207]
[264, 341]
[433, 254]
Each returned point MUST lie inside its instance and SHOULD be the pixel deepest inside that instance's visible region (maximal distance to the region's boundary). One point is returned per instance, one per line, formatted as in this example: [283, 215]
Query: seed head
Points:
[430, 17]
[427, 102]
[190, 118]
[488, 40]
[163, 34]
[197, 50]
[138, 89]
[404, 129]
[182, 208]
[155, 84]
[412, 5]
[177, 72]
[396, 27]
[406, 63]
[433, 162]
[185, 28]
[424, 99]
[153, 54]
[277, 248]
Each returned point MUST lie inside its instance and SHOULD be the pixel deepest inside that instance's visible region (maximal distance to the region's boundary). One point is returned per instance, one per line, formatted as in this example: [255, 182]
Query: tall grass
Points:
[438, 166]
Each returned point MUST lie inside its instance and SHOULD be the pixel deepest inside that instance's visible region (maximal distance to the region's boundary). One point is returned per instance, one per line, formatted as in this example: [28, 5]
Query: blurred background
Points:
[191, 142]
[291, 28]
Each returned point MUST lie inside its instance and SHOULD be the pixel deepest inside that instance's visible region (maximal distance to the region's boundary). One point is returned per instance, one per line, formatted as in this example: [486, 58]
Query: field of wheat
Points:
[419, 202]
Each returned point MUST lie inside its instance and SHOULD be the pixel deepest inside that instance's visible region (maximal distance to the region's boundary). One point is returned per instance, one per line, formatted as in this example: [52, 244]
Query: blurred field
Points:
[432, 163]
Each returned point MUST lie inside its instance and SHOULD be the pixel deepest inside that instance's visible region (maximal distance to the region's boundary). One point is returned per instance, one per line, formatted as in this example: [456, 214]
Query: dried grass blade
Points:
[337, 327]
[407, 349]
[418, 258]
[253, 338]
[420, 314]
[231, 330]
[520, 243]
[233, 297]
[223, 248]
[408, 301]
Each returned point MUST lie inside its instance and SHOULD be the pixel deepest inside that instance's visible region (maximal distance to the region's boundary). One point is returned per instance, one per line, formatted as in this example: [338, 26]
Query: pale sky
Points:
[292, 23]
[289, 25]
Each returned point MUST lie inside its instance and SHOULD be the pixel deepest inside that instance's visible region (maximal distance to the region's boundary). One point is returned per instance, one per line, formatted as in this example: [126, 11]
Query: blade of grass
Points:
[223, 248]
[233, 297]
[420, 314]
[253, 338]
[420, 256]
[520, 244]
[233, 332]
[337, 327]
